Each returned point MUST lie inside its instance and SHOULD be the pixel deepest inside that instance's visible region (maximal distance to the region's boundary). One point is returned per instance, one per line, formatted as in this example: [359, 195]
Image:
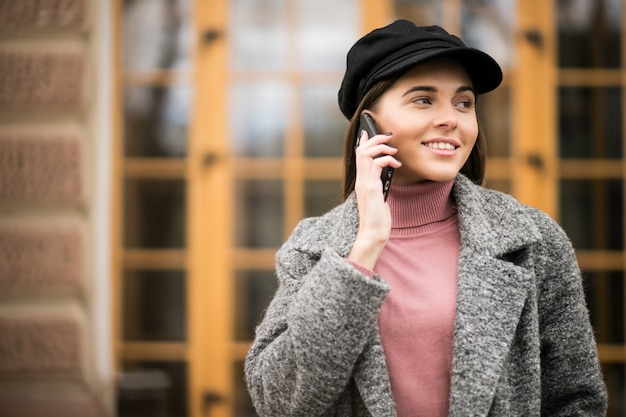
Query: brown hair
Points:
[474, 167]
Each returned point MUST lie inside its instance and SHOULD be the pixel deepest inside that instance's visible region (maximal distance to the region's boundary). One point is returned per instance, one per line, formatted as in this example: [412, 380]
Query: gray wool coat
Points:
[523, 344]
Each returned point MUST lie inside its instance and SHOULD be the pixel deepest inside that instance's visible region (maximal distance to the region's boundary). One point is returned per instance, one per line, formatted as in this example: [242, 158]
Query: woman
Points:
[446, 299]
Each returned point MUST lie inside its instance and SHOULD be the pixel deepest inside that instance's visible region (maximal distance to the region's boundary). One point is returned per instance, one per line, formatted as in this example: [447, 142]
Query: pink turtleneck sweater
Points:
[417, 317]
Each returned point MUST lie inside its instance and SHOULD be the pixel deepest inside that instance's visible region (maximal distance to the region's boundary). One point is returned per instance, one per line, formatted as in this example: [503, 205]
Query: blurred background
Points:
[154, 154]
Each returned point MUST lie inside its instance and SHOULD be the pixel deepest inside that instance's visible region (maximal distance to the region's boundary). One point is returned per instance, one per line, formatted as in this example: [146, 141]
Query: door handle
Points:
[209, 399]
[210, 36]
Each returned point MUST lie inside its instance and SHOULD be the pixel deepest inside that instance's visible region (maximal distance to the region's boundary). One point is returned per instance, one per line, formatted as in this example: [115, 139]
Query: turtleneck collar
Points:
[421, 207]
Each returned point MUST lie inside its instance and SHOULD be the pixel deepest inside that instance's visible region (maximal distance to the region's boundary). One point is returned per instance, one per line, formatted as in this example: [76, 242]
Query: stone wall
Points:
[46, 109]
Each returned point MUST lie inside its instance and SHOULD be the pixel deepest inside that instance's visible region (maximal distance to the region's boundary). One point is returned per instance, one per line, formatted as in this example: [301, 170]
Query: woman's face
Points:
[431, 112]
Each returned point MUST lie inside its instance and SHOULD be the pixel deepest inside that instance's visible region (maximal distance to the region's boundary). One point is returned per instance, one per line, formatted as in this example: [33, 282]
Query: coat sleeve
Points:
[572, 383]
[316, 326]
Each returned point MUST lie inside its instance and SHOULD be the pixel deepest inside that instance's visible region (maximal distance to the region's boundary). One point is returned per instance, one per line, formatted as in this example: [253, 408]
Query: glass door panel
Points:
[592, 213]
[320, 196]
[155, 306]
[154, 213]
[324, 33]
[156, 121]
[590, 124]
[155, 98]
[260, 213]
[591, 151]
[324, 125]
[257, 118]
[590, 33]
[286, 61]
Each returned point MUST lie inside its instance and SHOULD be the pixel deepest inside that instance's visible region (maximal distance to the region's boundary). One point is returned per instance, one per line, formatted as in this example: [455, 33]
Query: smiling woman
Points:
[447, 299]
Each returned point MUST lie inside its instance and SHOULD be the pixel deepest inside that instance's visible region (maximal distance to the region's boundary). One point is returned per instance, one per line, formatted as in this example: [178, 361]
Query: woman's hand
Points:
[372, 154]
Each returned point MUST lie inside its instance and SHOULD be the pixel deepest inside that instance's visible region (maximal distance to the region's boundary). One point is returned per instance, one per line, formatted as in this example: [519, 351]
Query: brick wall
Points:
[46, 359]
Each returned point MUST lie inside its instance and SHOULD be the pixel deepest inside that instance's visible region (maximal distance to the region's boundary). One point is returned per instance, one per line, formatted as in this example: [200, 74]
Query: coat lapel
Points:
[492, 289]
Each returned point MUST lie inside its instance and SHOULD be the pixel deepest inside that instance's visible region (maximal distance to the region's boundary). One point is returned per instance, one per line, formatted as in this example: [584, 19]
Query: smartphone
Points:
[368, 125]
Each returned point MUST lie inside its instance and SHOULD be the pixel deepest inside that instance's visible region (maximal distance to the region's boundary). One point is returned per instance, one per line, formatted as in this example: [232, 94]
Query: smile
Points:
[440, 145]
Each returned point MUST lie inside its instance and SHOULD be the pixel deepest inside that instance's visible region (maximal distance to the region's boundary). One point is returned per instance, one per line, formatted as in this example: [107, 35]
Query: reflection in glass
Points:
[494, 113]
[155, 213]
[591, 213]
[590, 122]
[254, 291]
[487, 26]
[320, 196]
[258, 118]
[156, 34]
[177, 374]
[323, 36]
[259, 39]
[154, 306]
[589, 33]
[260, 213]
[156, 121]
[605, 298]
[323, 122]
[420, 12]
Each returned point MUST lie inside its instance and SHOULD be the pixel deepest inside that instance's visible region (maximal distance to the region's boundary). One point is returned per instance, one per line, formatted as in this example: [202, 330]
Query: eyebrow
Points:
[432, 89]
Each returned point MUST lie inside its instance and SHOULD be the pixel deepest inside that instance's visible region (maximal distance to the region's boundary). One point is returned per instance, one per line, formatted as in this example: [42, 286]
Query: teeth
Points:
[441, 145]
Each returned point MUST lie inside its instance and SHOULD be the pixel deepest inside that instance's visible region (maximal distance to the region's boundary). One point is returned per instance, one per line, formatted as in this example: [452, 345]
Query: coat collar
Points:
[491, 223]
[493, 286]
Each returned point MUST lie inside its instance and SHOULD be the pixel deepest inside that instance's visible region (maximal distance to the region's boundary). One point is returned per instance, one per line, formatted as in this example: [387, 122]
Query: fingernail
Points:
[388, 133]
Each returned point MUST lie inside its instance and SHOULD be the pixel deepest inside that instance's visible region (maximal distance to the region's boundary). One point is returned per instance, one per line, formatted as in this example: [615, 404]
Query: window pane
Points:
[260, 213]
[156, 121]
[591, 213]
[154, 306]
[420, 12]
[499, 185]
[155, 213]
[254, 291]
[590, 122]
[258, 118]
[156, 34]
[605, 298]
[321, 196]
[243, 403]
[589, 33]
[494, 113]
[260, 38]
[177, 394]
[324, 38]
[323, 122]
[487, 26]
[615, 382]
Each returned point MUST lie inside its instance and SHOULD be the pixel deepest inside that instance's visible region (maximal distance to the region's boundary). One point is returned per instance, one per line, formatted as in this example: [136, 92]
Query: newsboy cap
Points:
[394, 49]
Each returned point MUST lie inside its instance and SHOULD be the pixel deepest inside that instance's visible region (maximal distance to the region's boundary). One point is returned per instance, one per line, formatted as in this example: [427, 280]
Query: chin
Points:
[442, 176]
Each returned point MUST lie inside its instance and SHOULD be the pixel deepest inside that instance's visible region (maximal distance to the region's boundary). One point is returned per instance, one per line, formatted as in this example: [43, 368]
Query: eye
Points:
[422, 100]
[465, 103]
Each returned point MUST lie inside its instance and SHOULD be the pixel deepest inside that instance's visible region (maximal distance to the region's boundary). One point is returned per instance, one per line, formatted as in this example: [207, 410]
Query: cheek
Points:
[470, 132]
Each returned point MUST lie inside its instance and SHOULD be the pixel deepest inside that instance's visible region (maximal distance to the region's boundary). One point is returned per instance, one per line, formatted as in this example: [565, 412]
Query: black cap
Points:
[396, 48]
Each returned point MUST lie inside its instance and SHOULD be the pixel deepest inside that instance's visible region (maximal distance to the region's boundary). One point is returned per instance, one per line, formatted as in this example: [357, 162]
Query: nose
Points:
[445, 117]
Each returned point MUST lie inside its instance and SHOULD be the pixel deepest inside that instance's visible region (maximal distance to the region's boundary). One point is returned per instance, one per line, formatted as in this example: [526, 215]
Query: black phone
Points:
[367, 124]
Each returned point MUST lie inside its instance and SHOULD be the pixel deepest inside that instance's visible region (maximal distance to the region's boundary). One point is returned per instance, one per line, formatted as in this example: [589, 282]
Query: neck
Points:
[421, 205]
